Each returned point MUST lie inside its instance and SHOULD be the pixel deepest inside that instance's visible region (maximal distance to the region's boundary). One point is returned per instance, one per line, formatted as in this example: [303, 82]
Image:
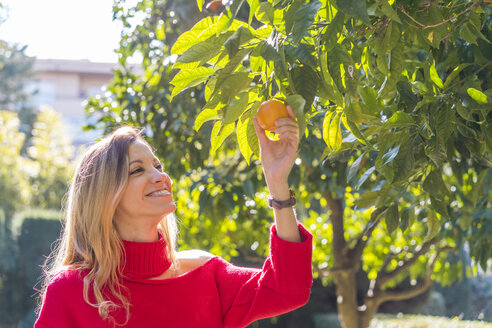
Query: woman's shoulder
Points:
[67, 277]
[191, 259]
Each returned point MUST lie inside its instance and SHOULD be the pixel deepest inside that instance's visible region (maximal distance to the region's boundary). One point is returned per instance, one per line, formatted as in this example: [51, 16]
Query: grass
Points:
[420, 321]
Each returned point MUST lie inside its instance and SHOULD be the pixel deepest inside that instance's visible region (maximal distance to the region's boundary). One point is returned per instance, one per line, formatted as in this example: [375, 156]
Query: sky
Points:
[63, 29]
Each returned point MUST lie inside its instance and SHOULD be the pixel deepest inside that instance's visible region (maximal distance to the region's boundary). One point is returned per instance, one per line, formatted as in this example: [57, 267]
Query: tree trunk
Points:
[346, 288]
[352, 315]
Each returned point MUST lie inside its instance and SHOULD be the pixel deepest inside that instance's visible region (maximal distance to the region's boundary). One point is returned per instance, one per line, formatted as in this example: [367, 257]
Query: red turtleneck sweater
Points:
[216, 294]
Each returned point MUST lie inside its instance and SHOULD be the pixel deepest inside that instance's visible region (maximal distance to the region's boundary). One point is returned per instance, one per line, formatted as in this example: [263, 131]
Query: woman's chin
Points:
[170, 208]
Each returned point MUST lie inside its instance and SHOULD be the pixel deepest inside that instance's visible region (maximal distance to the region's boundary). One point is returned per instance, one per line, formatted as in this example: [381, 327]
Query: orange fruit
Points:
[214, 5]
[270, 111]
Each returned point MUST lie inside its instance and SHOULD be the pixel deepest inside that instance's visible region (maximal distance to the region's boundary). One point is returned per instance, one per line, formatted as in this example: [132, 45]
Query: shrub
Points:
[30, 239]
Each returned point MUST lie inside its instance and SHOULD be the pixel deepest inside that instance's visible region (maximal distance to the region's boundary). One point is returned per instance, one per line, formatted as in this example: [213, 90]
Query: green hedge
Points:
[26, 244]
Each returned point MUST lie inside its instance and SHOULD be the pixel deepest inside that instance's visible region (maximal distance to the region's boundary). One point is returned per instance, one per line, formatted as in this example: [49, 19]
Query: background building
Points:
[64, 85]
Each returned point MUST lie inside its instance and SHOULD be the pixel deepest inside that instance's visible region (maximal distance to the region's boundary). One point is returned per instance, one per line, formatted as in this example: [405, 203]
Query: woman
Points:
[116, 264]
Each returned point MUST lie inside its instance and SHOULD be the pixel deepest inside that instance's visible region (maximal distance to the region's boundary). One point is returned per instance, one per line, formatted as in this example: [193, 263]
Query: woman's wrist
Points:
[279, 191]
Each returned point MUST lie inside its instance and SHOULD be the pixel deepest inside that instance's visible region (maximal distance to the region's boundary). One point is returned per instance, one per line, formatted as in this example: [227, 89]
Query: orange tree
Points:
[393, 103]
[219, 209]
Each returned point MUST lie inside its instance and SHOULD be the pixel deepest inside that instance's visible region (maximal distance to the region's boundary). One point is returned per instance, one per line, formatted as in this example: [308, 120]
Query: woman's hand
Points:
[277, 157]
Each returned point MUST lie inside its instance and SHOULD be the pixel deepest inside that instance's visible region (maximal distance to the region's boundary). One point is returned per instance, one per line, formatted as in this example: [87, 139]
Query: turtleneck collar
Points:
[145, 260]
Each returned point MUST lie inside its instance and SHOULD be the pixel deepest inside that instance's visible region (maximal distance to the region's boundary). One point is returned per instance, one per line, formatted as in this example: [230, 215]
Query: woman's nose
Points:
[159, 176]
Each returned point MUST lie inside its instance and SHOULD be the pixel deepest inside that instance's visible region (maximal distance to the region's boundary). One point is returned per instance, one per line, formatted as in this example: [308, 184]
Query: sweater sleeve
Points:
[282, 285]
[62, 296]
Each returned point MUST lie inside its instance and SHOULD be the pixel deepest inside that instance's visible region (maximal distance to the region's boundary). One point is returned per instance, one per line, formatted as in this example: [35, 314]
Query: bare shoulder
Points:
[194, 254]
[191, 259]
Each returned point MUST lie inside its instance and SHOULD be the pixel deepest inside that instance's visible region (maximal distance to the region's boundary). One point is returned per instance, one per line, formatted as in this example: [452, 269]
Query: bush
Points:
[30, 238]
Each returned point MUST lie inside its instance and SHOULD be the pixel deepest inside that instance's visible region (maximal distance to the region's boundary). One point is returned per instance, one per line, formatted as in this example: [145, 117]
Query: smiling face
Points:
[147, 197]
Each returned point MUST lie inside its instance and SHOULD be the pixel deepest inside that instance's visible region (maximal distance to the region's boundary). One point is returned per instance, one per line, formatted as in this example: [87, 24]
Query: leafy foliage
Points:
[402, 87]
[29, 185]
[15, 71]
[51, 152]
[25, 249]
[393, 103]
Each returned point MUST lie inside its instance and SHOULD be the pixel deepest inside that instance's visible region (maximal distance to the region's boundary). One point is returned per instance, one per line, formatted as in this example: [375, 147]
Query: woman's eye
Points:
[136, 170]
[159, 167]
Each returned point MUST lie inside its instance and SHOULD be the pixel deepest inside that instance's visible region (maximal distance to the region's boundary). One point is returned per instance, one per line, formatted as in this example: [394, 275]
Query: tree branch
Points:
[424, 27]
[383, 277]
[405, 294]
[380, 297]
[363, 238]
[339, 242]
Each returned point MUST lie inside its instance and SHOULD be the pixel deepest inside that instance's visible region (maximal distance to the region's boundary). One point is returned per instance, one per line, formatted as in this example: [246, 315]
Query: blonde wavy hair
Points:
[89, 240]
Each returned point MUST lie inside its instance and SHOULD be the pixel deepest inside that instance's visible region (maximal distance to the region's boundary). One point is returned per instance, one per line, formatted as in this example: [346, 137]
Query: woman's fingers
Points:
[260, 132]
[291, 113]
[287, 128]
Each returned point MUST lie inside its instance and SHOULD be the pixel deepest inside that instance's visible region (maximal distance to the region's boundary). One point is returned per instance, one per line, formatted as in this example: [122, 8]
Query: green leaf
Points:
[230, 67]
[245, 131]
[369, 97]
[200, 4]
[382, 64]
[434, 151]
[266, 13]
[467, 34]
[367, 199]
[407, 96]
[396, 68]
[454, 74]
[224, 22]
[389, 11]
[445, 123]
[306, 83]
[365, 176]
[200, 32]
[253, 6]
[189, 78]
[466, 131]
[353, 111]
[392, 218]
[388, 40]
[328, 85]
[204, 116]
[203, 51]
[235, 108]
[435, 77]
[352, 127]
[303, 19]
[405, 217]
[432, 225]
[332, 131]
[462, 111]
[256, 63]
[354, 168]
[434, 185]
[297, 103]
[219, 134]
[439, 206]
[477, 95]
[302, 52]
[238, 38]
[390, 155]
[399, 119]
[289, 14]
[232, 85]
[354, 8]
[330, 35]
